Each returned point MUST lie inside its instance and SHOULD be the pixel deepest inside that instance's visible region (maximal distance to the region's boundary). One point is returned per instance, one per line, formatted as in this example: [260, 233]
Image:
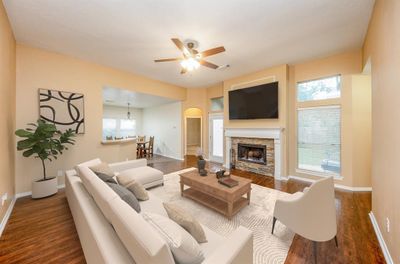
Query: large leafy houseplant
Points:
[42, 140]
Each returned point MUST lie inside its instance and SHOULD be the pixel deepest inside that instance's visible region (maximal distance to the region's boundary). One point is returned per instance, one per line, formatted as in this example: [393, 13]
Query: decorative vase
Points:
[44, 188]
[201, 165]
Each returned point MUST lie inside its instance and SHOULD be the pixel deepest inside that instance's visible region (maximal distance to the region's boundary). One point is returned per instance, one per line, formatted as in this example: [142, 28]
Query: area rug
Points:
[257, 217]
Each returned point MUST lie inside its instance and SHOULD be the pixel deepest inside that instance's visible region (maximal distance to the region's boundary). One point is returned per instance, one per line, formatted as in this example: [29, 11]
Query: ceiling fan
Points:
[192, 59]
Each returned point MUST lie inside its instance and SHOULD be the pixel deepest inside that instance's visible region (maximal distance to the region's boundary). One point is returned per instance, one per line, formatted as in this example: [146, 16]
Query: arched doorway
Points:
[193, 131]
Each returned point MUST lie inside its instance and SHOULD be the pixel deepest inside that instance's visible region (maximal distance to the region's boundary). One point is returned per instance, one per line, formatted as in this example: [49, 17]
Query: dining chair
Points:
[140, 145]
[149, 150]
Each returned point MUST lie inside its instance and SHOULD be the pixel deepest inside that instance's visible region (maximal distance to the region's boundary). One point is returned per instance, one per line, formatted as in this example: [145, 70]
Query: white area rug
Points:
[257, 217]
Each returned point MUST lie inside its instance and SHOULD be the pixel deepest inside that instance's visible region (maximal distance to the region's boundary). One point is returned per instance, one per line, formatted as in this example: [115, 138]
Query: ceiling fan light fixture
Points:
[190, 64]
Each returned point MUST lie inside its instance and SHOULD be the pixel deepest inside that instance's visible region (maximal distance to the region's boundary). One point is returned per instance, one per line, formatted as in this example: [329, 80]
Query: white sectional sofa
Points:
[147, 176]
[111, 231]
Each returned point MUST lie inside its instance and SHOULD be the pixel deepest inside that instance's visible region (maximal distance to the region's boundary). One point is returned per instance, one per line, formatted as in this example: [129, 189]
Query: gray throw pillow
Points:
[126, 196]
[105, 177]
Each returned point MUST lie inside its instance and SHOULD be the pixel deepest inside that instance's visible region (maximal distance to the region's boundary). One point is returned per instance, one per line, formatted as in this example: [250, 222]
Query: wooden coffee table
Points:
[207, 191]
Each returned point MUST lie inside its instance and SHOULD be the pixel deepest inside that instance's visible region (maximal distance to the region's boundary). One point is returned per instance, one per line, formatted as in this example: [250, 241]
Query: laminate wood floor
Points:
[43, 231]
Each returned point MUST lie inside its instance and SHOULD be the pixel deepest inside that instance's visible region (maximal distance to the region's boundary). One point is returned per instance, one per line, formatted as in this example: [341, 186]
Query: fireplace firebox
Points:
[252, 153]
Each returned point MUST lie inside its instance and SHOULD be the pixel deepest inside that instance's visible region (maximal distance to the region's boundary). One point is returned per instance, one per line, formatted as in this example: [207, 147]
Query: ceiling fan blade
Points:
[171, 59]
[179, 44]
[208, 64]
[213, 51]
[183, 71]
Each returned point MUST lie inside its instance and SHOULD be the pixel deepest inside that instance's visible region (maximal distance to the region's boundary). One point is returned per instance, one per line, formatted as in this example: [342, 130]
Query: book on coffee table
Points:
[227, 181]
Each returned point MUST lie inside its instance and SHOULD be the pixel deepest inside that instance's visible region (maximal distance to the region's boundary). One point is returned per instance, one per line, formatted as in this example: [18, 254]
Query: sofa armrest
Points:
[238, 249]
[126, 165]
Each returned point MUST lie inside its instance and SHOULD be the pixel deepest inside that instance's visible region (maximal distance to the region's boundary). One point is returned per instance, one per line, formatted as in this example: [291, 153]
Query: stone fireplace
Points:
[255, 150]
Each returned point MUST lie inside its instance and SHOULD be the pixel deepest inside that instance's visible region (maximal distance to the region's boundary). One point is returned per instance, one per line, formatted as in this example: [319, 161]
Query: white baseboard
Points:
[7, 216]
[171, 157]
[24, 194]
[337, 186]
[382, 243]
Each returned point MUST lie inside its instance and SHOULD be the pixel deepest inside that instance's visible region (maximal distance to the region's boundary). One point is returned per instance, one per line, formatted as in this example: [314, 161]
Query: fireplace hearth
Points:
[252, 153]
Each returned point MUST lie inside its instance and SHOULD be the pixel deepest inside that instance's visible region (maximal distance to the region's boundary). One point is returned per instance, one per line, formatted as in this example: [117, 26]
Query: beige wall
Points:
[196, 99]
[7, 109]
[382, 47]
[41, 69]
[198, 103]
[355, 103]
[278, 73]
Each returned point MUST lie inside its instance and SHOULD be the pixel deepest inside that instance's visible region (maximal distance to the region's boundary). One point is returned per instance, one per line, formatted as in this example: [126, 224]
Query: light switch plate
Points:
[387, 224]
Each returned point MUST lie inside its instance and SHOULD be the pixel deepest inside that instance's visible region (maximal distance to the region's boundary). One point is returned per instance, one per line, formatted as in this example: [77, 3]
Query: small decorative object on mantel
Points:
[63, 109]
[45, 142]
[201, 163]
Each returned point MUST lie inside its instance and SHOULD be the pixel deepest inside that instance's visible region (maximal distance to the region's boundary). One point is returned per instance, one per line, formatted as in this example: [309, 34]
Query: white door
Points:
[216, 125]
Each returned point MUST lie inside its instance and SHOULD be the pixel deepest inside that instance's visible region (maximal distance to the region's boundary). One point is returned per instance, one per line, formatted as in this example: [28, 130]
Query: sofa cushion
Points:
[143, 175]
[184, 247]
[89, 163]
[102, 168]
[185, 220]
[126, 195]
[143, 243]
[138, 190]
[153, 205]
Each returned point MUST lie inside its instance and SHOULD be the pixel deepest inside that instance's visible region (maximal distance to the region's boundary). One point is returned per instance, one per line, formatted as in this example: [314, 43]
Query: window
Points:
[113, 127]
[109, 127]
[318, 142]
[318, 126]
[217, 104]
[320, 89]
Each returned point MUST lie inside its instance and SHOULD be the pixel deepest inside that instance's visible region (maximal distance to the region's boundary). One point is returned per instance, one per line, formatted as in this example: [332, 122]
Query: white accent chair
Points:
[311, 213]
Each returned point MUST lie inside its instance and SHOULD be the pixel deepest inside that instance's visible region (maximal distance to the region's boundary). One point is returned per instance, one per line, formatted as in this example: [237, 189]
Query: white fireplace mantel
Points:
[270, 133]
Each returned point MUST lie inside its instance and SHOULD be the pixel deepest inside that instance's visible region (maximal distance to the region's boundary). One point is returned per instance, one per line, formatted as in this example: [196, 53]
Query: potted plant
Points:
[43, 141]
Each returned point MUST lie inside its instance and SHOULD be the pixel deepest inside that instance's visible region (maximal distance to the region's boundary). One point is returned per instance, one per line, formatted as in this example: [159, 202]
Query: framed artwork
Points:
[64, 109]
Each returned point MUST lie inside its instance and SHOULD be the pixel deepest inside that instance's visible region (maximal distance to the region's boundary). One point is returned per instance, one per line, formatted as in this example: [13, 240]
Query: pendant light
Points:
[128, 113]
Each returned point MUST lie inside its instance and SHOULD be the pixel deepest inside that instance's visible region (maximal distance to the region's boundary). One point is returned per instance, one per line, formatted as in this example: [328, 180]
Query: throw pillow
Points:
[126, 196]
[102, 168]
[105, 177]
[138, 190]
[186, 220]
[125, 177]
[183, 246]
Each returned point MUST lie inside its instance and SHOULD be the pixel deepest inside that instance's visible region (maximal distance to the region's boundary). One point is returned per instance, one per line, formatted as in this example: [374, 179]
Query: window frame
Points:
[315, 104]
[318, 79]
[118, 126]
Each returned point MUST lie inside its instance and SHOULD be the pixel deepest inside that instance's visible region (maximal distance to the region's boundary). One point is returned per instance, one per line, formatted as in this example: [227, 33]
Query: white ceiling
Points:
[120, 97]
[129, 35]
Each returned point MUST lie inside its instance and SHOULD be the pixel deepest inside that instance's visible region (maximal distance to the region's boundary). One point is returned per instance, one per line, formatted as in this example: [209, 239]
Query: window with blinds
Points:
[318, 142]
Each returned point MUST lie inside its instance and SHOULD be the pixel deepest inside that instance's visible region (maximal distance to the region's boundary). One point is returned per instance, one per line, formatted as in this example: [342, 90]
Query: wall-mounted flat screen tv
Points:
[257, 102]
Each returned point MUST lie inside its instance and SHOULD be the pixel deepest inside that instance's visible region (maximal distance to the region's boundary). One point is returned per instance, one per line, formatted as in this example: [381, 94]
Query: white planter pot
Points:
[41, 188]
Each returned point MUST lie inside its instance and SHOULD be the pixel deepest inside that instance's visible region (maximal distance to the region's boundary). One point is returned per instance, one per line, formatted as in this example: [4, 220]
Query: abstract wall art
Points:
[64, 109]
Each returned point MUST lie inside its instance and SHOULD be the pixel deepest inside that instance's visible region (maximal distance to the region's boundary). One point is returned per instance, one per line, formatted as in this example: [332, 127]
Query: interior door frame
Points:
[212, 116]
[201, 132]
